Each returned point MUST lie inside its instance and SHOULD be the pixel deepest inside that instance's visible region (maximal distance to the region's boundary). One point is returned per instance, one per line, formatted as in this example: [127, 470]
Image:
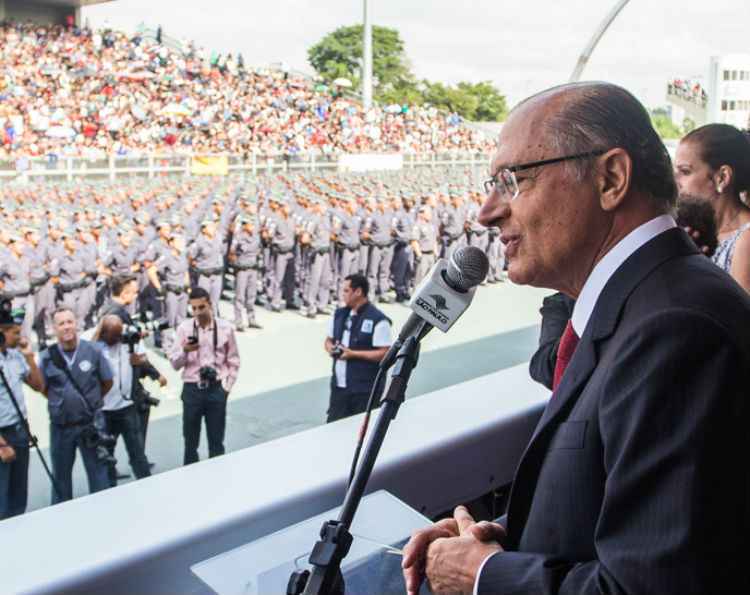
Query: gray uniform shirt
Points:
[282, 233]
[380, 228]
[16, 370]
[172, 268]
[348, 232]
[246, 247]
[14, 272]
[319, 228]
[208, 253]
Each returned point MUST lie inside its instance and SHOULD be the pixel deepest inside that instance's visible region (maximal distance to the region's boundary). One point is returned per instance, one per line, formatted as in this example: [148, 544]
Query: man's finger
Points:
[486, 531]
[415, 548]
[463, 519]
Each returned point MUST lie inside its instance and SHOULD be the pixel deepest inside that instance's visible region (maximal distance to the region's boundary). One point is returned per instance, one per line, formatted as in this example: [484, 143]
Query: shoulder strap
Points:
[57, 359]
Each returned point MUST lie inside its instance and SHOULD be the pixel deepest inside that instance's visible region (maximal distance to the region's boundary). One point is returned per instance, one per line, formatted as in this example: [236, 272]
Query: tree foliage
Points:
[667, 129]
[339, 54]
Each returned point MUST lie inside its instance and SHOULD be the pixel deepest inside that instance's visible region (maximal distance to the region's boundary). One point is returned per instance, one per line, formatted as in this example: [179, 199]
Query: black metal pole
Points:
[32, 439]
[335, 538]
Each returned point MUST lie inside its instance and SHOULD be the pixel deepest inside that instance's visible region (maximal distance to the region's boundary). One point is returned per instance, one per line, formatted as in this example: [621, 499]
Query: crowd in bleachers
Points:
[689, 90]
[67, 91]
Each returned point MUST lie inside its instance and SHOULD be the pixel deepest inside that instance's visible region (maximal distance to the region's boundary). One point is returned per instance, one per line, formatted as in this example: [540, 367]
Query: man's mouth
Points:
[511, 243]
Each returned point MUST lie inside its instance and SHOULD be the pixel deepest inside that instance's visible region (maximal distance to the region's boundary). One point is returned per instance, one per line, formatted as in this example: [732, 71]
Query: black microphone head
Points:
[467, 268]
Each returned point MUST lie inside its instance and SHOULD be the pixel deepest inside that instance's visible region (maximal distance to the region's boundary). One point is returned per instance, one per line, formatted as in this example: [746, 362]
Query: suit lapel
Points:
[602, 325]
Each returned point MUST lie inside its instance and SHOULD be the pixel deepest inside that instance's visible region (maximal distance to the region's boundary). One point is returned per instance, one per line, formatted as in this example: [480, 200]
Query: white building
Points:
[729, 90]
[725, 98]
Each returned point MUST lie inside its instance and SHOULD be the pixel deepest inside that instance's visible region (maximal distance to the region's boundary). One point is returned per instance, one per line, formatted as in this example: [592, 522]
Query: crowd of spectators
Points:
[66, 91]
[689, 90]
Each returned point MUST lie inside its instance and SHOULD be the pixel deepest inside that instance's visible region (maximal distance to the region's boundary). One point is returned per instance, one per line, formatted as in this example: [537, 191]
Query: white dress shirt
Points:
[596, 281]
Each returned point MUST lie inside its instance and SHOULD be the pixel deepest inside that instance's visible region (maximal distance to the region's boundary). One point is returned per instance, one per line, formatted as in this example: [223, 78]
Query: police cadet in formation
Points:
[18, 367]
[37, 252]
[245, 256]
[15, 271]
[453, 218]
[424, 243]
[404, 220]
[346, 229]
[317, 238]
[281, 235]
[68, 268]
[169, 274]
[207, 256]
[377, 233]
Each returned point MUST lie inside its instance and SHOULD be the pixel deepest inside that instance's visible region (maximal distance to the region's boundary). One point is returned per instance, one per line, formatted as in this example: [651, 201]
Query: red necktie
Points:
[565, 351]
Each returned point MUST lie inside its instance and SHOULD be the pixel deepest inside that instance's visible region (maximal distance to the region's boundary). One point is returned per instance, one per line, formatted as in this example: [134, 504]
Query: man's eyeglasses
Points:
[505, 179]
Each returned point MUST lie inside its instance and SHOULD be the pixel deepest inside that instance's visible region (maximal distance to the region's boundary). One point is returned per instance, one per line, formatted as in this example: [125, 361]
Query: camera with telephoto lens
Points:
[100, 441]
[133, 333]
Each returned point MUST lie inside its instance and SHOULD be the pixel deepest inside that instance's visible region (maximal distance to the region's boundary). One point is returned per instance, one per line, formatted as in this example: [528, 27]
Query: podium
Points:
[382, 526]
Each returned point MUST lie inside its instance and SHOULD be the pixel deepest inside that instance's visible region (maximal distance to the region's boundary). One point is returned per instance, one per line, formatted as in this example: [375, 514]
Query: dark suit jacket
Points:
[636, 479]
[556, 311]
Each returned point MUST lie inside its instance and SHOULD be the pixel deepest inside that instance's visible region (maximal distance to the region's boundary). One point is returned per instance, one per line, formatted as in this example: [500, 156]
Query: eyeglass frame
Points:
[490, 183]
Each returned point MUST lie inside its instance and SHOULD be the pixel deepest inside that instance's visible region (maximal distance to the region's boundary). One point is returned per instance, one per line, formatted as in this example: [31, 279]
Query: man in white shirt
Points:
[635, 479]
[119, 409]
[359, 335]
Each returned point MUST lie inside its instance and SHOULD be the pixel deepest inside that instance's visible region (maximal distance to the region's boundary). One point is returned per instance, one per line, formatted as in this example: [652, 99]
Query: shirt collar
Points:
[609, 264]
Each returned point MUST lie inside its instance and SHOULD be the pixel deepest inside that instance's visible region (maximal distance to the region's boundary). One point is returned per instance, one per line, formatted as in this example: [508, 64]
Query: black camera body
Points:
[208, 375]
[100, 441]
[337, 351]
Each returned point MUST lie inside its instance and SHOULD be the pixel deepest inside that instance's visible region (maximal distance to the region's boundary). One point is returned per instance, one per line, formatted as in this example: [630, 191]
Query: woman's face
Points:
[693, 175]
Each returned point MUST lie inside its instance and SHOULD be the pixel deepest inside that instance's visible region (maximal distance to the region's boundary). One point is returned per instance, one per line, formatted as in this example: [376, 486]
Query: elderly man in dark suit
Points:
[635, 480]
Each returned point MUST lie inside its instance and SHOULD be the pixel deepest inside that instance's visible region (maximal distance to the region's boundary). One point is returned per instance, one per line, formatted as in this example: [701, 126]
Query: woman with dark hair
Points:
[713, 162]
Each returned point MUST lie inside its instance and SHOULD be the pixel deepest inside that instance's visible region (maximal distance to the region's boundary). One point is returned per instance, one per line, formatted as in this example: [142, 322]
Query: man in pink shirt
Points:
[205, 349]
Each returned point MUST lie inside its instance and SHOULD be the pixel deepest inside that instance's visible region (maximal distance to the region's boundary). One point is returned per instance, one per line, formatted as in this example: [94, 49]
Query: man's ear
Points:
[614, 173]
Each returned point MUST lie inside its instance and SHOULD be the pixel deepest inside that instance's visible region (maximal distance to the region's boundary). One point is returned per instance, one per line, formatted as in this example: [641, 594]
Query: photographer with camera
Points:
[76, 376]
[359, 335]
[17, 366]
[123, 349]
[205, 349]
[124, 294]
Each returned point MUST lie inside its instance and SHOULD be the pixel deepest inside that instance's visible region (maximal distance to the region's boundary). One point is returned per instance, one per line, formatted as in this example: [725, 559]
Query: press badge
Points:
[367, 326]
[85, 365]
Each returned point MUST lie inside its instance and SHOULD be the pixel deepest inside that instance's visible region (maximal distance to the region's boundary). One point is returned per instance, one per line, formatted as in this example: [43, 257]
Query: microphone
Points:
[445, 293]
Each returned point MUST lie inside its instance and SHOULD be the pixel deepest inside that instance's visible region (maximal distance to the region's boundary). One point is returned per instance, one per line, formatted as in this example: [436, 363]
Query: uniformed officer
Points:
[317, 237]
[37, 252]
[282, 237]
[346, 229]
[424, 244]
[169, 275]
[68, 270]
[15, 270]
[18, 367]
[404, 220]
[245, 255]
[87, 251]
[453, 233]
[207, 256]
[378, 233]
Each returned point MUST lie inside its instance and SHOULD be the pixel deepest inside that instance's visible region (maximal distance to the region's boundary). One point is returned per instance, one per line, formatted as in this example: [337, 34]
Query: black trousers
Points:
[126, 423]
[14, 477]
[198, 404]
[344, 403]
[400, 269]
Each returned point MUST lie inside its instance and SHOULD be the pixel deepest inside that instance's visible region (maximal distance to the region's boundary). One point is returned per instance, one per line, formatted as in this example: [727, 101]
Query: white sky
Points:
[523, 46]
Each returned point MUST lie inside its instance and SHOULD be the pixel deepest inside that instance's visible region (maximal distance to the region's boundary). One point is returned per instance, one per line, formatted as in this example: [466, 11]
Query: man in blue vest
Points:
[358, 337]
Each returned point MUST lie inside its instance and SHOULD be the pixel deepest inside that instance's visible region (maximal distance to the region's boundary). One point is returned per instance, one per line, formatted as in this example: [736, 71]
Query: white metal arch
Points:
[600, 31]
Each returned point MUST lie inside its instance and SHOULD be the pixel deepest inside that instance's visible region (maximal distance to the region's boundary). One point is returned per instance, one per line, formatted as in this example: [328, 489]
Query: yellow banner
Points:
[209, 166]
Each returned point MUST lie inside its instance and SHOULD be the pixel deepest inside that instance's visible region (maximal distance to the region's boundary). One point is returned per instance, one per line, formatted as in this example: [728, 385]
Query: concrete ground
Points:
[284, 376]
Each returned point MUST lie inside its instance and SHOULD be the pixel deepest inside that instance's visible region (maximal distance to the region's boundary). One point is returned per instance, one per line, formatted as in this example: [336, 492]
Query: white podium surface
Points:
[444, 448]
[264, 566]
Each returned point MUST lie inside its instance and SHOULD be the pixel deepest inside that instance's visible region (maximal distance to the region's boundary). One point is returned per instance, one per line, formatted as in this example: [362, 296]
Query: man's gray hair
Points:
[604, 116]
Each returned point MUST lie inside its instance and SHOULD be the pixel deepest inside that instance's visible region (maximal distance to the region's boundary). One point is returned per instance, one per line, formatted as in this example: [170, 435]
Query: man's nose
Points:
[494, 210]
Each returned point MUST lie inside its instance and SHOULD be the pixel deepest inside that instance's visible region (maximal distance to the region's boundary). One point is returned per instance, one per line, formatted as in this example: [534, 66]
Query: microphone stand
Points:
[335, 539]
